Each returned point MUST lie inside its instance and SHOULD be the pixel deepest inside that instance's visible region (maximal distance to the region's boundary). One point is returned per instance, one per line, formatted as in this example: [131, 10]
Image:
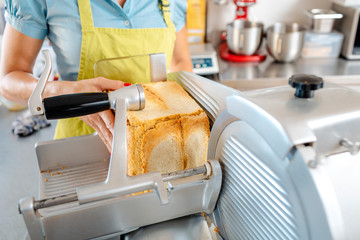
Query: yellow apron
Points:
[119, 54]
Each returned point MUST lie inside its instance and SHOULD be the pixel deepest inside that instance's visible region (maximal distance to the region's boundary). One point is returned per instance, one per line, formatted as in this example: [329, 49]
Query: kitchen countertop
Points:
[271, 69]
[19, 173]
[269, 73]
[249, 76]
[230, 71]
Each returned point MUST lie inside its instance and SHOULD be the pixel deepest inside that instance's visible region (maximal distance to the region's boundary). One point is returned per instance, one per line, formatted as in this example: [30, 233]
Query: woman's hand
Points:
[102, 122]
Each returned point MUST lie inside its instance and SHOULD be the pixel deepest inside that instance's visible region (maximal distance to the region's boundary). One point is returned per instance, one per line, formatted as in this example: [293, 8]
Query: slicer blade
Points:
[209, 94]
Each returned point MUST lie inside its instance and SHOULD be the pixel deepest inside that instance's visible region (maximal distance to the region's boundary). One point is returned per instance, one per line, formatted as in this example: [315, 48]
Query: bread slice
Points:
[195, 131]
[171, 133]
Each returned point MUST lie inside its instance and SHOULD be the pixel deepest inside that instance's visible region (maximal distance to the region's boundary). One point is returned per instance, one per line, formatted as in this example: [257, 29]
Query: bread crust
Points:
[171, 133]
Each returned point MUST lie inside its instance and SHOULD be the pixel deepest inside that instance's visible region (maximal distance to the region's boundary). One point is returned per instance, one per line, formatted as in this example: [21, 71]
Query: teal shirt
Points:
[59, 20]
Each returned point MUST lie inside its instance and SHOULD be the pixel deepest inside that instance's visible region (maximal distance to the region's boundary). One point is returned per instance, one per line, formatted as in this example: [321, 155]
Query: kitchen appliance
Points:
[290, 159]
[284, 41]
[348, 2]
[289, 169]
[349, 26]
[322, 20]
[204, 59]
[242, 8]
[243, 38]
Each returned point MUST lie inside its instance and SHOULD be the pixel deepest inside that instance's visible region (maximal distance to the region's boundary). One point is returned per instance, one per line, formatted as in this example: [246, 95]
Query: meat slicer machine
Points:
[283, 164]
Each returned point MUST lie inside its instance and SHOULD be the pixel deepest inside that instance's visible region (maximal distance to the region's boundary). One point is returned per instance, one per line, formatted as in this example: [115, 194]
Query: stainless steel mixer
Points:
[289, 170]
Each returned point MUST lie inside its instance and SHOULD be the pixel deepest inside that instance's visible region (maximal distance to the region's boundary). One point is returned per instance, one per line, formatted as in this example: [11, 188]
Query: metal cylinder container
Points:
[322, 20]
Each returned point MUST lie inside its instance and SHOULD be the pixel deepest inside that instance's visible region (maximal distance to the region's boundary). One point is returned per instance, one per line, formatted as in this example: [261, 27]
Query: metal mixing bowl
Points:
[285, 41]
[244, 37]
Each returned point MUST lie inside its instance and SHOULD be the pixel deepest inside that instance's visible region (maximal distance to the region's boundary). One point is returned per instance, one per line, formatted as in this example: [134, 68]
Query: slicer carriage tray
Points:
[64, 180]
[68, 163]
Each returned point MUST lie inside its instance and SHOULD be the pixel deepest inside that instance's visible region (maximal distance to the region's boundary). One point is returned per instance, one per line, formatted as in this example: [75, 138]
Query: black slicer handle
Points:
[75, 105]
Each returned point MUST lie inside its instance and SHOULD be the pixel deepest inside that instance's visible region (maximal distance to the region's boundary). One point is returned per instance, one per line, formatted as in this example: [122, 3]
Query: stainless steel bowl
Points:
[285, 41]
[244, 37]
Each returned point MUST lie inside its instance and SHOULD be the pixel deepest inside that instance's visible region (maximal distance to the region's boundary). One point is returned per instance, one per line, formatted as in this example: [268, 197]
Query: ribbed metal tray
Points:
[64, 180]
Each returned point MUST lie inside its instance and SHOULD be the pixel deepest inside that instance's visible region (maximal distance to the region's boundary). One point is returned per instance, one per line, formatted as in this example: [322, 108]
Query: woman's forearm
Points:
[17, 86]
[18, 55]
[181, 60]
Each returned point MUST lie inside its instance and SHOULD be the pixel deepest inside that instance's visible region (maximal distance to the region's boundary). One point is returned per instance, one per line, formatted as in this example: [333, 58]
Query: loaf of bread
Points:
[171, 133]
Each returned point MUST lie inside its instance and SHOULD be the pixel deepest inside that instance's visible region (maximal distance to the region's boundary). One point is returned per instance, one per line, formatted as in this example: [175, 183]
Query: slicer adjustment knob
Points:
[305, 84]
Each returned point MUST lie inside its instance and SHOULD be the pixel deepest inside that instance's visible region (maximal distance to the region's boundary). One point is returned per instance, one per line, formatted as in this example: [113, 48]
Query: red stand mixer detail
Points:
[239, 38]
[242, 7]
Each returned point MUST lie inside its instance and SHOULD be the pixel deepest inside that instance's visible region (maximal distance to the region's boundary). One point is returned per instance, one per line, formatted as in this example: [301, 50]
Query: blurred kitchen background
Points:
[280, 38]
[221, 12]
[327, 28]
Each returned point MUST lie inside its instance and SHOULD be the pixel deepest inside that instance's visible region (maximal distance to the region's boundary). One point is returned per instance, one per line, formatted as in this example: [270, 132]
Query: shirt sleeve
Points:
[27, 17]
[178, 13]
